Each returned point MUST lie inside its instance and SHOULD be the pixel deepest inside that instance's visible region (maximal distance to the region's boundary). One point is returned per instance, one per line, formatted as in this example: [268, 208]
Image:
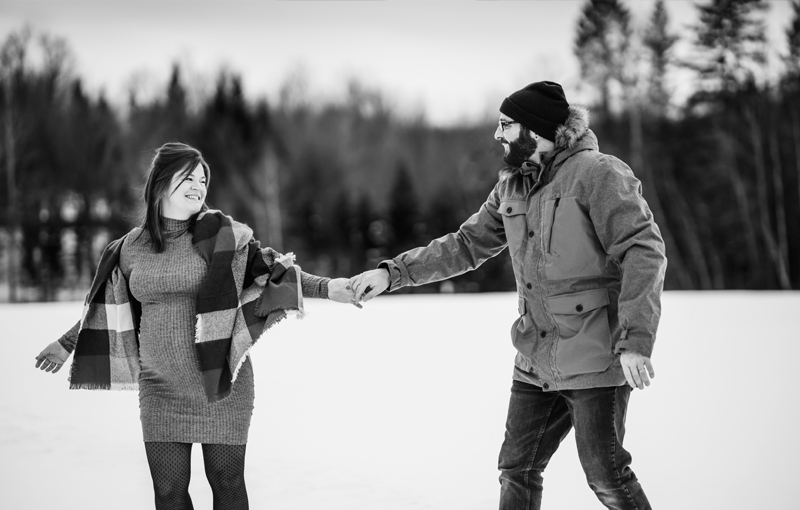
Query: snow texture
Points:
[402, 405]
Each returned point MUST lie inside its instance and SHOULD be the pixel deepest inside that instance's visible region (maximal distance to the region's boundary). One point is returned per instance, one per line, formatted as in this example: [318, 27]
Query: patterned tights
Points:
[170, 467]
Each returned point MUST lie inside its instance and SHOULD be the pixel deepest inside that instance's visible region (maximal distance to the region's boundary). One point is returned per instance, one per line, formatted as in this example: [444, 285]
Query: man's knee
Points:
[604, 476]
[525, 477]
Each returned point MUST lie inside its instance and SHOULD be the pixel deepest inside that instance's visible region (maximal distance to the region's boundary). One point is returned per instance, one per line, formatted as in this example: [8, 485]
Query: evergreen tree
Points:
[730, 59]
[176, 98]
[363, 242]
[659, 43]
[792, 60]
[404, 211]
[730, 39]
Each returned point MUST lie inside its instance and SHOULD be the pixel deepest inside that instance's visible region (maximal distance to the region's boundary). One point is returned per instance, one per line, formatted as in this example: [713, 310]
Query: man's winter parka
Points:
[588, 261]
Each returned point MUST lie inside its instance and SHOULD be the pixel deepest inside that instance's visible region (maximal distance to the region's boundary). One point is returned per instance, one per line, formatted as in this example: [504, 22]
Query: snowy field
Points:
[402, 405]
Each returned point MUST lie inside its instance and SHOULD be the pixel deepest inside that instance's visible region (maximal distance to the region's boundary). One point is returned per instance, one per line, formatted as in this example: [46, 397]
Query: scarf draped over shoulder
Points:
[247, 289]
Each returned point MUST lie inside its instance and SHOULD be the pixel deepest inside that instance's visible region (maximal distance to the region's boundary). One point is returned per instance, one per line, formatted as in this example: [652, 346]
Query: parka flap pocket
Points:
[514, 222]
[578, 302]
[584, 340]
[513, 207]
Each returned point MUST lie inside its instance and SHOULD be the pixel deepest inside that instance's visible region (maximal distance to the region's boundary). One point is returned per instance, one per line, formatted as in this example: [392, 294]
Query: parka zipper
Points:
[552, 224]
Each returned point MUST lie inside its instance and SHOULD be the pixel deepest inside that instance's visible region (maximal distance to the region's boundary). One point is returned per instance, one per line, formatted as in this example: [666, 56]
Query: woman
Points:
[174, 308]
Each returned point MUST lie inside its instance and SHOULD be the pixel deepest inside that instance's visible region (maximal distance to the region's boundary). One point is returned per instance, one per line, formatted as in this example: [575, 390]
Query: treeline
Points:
[722, 172]
[346, 183]
[343, 184]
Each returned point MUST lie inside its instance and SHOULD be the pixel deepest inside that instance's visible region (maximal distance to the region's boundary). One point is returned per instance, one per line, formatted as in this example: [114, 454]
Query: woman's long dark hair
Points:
[170, 159]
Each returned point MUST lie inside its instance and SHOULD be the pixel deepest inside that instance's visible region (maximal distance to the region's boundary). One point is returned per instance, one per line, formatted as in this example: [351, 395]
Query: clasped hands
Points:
[360, 288]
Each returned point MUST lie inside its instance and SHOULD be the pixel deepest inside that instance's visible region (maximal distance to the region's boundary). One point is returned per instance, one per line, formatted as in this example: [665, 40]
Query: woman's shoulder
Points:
[131, 245]
[135, 237]
[134, 234]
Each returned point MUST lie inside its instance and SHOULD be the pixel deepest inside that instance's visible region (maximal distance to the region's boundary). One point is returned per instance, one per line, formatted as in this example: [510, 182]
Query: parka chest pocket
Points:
[569, 241]
[584, 343]
[514, 222]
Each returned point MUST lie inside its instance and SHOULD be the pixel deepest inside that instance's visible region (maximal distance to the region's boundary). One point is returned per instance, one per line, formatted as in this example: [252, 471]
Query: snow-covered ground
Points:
[402, 405]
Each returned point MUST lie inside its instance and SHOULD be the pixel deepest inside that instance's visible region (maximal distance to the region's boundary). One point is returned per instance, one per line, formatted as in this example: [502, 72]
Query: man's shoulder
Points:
[585, 157]
[595, 162]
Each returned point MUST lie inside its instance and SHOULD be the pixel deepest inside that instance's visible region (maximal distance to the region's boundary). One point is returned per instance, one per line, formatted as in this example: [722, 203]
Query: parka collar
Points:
[587, 142]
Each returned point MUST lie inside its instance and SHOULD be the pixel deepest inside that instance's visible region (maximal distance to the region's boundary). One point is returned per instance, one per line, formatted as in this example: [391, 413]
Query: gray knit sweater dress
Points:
[172, 403]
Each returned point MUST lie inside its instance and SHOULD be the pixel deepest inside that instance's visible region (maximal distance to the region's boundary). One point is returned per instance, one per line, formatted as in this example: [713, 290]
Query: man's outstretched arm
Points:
[478, 239]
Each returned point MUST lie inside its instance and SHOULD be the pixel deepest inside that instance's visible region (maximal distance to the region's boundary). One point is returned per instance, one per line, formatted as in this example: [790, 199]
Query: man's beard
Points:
[520, 149]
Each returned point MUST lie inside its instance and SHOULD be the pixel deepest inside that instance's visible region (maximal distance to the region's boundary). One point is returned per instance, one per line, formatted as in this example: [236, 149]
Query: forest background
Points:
[347, 183]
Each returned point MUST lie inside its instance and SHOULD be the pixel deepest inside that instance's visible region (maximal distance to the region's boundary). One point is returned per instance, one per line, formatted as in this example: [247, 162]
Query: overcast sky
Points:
[455, 59]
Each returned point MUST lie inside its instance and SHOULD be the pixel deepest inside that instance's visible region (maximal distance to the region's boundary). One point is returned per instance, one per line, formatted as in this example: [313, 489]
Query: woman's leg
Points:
[225, 472]
[170, 467]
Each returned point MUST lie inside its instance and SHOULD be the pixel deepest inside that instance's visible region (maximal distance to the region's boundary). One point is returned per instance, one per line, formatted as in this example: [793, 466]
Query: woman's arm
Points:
[336, 289]
[262, 261]
[70, 339]
[314, 286]
[53, 357]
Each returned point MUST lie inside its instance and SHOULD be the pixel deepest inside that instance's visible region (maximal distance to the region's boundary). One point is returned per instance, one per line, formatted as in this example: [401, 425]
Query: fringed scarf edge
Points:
[298, 313]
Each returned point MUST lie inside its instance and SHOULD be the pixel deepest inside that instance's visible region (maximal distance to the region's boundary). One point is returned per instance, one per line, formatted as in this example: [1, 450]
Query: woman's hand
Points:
[52, 357]
[339, 290]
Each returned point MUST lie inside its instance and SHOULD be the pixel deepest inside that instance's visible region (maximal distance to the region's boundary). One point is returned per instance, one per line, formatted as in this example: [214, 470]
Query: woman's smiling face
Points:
[185, 194]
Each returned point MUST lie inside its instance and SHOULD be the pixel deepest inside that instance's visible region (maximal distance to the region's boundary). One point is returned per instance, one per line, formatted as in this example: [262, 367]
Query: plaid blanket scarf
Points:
[247, 289]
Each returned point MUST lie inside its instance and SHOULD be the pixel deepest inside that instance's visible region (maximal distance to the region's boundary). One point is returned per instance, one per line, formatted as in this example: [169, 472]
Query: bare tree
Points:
[601, 45]
[792, 78]
[610, 54]
[653, 101]
[730, 43]
[759, 163]
[12, 62]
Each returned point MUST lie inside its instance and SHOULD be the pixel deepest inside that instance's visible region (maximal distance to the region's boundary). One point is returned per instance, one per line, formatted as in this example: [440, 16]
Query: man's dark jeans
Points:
[537, 423]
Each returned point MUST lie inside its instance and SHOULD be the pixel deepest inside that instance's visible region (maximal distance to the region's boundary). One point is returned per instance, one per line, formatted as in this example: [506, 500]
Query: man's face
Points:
[517, 142]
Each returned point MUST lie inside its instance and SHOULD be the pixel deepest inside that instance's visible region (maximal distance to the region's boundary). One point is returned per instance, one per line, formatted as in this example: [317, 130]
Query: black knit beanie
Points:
[540, 107]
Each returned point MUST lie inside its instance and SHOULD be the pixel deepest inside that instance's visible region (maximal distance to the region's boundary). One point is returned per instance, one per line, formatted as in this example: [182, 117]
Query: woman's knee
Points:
[225, 477]
[169, 490]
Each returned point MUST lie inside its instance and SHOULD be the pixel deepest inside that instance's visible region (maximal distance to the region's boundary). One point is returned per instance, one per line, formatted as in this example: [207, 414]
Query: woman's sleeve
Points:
[314, 286]
[261, 261]
[70, 339]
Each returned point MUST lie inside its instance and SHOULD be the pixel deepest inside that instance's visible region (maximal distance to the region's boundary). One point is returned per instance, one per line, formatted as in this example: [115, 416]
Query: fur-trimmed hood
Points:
[576, 125]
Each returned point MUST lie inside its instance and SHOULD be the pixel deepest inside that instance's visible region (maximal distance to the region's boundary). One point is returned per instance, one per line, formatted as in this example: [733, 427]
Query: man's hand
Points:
[52, 358]
[369, 284]
[339, 290]
[637, 369]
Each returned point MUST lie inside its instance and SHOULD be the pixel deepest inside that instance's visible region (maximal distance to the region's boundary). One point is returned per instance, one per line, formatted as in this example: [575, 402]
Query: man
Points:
[589, 265]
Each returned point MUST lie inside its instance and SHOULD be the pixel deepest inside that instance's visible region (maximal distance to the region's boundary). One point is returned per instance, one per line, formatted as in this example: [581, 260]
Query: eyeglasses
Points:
[505, 124]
